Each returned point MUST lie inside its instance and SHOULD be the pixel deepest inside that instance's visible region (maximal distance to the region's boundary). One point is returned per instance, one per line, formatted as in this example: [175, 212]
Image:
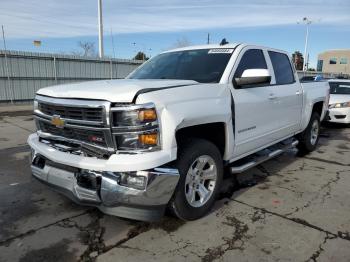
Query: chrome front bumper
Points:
[102, 189]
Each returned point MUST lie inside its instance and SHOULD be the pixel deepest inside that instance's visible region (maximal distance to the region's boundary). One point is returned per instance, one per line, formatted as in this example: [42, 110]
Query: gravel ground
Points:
[287, 209]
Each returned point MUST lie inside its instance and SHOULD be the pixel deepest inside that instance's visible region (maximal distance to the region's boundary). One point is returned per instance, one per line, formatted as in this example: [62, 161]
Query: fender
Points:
[191, 105]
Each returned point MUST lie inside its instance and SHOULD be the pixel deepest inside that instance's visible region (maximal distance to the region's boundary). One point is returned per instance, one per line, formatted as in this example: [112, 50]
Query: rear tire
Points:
[201, 170]
[308, 139]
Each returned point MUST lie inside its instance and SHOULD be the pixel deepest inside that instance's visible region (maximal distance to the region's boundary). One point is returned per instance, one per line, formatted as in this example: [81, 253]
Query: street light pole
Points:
[305, 60]
[100, 29]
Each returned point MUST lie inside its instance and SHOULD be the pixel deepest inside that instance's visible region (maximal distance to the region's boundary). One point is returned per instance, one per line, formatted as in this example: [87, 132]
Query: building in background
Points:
[334, 61]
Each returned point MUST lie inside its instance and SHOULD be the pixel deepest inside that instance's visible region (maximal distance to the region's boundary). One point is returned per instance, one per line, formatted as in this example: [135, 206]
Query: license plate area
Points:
[66, 176]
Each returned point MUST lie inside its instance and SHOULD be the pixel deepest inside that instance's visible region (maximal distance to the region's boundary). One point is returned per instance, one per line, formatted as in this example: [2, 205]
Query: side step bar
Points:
[262, 156]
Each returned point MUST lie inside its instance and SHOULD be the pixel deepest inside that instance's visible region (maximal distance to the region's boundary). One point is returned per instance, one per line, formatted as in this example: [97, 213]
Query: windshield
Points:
[203, 65]
[340, 88]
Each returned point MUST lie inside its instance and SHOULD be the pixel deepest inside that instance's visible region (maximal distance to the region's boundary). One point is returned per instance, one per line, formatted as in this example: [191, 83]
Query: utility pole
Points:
[307, 22]
[100, 29]
[7, 66]
[208, 39]
[3, 37]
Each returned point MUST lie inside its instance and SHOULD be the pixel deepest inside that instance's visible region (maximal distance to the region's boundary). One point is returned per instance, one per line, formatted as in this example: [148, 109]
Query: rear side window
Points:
[282, 68]
[252, 59]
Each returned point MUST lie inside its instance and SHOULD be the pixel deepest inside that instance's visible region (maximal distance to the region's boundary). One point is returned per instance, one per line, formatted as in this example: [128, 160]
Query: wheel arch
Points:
[310, 108]
[318, 108]
[215, 132]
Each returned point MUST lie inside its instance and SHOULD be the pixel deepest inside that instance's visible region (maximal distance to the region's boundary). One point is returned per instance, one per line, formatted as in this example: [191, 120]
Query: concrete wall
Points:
[23, 73]
[342, 60]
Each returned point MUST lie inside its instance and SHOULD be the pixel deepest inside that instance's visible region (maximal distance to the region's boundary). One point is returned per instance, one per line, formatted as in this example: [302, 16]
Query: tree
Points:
[140, 56]
[181, 42]
[298, 60]
[86, 49]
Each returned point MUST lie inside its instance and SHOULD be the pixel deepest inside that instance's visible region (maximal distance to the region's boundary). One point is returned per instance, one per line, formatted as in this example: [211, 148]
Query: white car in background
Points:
[339, 102]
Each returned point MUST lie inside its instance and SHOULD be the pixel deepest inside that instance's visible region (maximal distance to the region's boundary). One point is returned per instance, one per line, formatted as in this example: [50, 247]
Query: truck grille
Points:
[89, 136]
[75, 113]
[76, 124]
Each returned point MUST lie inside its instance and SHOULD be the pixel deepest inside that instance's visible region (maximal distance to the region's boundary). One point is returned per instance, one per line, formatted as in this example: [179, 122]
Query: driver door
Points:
[255, 107]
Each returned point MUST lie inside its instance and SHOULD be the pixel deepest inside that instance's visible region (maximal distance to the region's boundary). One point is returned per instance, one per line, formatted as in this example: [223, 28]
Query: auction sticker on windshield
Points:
[220, 51]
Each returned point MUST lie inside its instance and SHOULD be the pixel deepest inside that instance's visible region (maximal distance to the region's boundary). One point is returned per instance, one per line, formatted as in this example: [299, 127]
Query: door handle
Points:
[297, 93]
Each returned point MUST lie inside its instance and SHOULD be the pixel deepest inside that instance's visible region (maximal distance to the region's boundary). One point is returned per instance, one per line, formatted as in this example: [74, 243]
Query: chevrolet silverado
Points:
[162, 138]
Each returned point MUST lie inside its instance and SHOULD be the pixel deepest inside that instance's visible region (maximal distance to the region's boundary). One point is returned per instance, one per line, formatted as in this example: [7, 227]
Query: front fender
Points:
[190, 106]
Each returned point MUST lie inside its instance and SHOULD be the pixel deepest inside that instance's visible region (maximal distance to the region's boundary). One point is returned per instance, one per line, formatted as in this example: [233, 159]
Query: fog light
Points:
[88, 179]
[137, 180]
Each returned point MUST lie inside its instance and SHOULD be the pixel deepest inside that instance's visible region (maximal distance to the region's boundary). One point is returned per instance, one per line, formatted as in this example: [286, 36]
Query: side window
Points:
[282, 68]
[333, 61]
[252, 59]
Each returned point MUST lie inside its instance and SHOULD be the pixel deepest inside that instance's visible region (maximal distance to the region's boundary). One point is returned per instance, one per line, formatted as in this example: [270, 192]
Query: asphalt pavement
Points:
[288, 209]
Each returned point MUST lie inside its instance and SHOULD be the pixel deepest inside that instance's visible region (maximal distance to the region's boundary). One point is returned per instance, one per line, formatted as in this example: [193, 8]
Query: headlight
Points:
[138, 141]
[340, 105]
[134, 118]
[136, 127]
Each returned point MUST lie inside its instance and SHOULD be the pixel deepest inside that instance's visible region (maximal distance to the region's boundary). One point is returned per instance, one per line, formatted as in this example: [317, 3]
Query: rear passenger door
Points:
[287, 92]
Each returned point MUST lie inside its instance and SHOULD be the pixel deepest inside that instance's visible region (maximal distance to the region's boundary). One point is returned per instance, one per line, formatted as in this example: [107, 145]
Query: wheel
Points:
[308, 139]
[201, 170]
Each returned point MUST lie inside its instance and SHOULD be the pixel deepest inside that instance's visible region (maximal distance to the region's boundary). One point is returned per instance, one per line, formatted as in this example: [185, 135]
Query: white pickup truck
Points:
[163, 137]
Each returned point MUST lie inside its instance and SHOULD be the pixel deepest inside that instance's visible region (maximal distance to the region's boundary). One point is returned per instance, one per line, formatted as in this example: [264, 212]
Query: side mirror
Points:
[253, 77]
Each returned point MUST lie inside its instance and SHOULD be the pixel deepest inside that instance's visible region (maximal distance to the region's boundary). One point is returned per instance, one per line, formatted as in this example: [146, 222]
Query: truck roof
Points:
[227, 46]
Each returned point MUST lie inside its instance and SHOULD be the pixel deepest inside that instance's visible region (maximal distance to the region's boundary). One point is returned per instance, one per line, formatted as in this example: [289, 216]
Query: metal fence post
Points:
[55, 68]
[116, 69]
[111, 68]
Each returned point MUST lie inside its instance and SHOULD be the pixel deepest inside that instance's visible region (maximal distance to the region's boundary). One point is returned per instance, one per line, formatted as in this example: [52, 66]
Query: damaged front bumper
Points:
[141, 195]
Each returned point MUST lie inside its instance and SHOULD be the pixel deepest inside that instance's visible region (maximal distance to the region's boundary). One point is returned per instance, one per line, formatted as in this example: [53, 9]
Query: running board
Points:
[262, 156]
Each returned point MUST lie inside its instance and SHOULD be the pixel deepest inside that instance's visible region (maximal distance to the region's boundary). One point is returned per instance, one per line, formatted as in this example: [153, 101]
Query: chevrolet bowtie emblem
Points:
[57, 121]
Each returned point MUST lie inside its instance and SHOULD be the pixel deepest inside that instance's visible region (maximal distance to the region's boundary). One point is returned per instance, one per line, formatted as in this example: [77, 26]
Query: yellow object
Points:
[148, 139]
[57, 121]
[147, 115]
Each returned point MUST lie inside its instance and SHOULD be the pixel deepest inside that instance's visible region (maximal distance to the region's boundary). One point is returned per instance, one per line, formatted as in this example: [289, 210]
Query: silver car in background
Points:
[339, 102]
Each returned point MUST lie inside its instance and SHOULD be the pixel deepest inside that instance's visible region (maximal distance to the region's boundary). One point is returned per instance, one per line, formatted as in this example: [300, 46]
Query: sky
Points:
[156, 25]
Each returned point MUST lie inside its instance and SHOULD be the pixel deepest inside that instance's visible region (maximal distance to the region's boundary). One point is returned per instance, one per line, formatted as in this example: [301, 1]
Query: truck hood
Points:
[338, 99]
[122, 90]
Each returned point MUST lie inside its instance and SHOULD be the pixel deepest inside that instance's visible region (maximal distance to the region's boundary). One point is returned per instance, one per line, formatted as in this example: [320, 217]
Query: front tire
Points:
[308, 139]
[201, 170]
